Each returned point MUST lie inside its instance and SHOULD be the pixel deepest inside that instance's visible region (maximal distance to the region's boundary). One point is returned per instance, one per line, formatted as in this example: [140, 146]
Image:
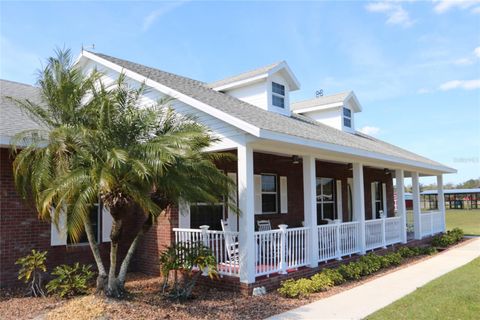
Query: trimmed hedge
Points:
[450, 237]
[366, 265]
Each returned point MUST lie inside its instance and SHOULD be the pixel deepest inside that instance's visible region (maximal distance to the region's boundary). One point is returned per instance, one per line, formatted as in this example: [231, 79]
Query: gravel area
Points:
[145, 302]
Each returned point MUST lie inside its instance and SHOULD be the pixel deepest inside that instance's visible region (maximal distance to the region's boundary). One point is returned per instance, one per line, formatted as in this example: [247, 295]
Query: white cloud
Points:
[370, 130]
[153, 16]
[460, 84]
[423, 91]
[463, 61]
[443, 6]
[394, 11]
[477, 52]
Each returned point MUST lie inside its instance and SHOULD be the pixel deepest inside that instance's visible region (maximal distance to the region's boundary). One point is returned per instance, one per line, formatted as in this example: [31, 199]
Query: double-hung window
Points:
[278, 95]
[377, 199]
[269, 193]
[326, 199]
[207, 214]
[347, 117]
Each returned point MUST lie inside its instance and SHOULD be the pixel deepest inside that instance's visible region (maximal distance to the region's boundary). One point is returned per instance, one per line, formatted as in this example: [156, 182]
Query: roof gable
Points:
[255, 75]
[326, 102]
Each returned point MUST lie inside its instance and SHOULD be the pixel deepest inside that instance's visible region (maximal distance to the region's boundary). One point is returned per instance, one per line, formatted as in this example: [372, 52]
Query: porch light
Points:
[295, 159]
[349, 166]
[386, 171]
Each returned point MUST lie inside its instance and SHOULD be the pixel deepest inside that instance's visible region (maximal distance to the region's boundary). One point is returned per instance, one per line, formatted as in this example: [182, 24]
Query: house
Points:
[324, 189]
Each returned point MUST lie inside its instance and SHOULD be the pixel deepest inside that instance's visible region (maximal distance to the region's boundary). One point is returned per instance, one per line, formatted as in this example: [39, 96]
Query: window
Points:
[94, 219]
[377, 198]
[326, 199]
[278, 95]
[269, 193]
[206, 214]
[347, 117]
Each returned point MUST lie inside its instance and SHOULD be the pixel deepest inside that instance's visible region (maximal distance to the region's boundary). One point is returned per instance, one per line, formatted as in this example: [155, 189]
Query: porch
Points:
[321, 207]
[284, 250]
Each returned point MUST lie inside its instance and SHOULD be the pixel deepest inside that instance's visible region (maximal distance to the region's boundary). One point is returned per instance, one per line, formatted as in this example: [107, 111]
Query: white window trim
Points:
[278, 95]
[269, 192]
[379, 185]
[333, 201]
[347, 117]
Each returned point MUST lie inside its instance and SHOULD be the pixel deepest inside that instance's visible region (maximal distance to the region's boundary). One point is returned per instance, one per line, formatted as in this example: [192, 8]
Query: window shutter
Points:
[232, 216]
[106, 224]
[183, 214]
[257, 180]
[58, 235]
[384, 196]
[339, 200]
[372, 191]
[283, 195]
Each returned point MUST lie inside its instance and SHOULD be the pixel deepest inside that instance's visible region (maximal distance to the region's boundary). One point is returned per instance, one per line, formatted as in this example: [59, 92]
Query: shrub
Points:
[191, 260]
[428, 250]
[334, 275]
[451, 237]
[351, 271]
[321, 282]
[70, 280]
[406, 252]
[296, 288]
[394, 258]
[32, 267]
[370, 263]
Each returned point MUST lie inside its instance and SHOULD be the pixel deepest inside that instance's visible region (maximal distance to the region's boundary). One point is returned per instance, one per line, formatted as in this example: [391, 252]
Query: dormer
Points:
[268, 87]
[337, 110]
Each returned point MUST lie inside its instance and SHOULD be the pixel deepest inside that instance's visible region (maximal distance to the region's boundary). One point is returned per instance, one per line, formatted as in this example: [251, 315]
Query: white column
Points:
[441, 201]
[401, 207]
[417, 221]
[359, 203]
[247, 218]
[310, 207]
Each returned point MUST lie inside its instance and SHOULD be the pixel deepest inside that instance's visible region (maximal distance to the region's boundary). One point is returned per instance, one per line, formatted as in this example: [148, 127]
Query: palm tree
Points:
[99, 144]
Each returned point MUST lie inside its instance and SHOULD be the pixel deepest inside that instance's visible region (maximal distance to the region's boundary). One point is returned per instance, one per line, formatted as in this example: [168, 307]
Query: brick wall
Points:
[21, 231]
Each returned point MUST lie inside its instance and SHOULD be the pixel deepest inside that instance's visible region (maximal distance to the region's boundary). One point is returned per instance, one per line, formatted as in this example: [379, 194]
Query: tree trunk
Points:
[113, 289]
[102, 274]
[131, 250]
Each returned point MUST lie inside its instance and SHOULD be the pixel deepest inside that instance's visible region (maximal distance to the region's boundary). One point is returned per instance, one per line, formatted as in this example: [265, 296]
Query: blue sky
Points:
[415, 66]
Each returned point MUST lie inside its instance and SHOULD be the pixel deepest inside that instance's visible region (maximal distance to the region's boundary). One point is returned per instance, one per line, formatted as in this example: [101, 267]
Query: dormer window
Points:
[347, 117]
[278, 95]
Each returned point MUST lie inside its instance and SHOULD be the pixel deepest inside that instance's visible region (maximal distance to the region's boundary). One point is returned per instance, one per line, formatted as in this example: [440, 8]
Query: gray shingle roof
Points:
[243, 76]
[294, 125]
[320, 101]
[12, 119]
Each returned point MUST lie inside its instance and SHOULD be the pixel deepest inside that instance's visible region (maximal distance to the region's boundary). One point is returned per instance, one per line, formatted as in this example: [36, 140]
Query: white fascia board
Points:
[266, 134]
[294, 83]
[240, 83]
[353, 97]
[214, 112]
[320, 107]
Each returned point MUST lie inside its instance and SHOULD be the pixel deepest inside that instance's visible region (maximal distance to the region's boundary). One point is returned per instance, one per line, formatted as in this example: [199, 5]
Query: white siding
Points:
[219, 128]
[277, 77]
[255, 94]
[330, 117]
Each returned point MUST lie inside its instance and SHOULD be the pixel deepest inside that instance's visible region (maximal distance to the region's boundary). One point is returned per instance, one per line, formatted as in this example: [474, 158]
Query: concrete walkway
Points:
[361, 301]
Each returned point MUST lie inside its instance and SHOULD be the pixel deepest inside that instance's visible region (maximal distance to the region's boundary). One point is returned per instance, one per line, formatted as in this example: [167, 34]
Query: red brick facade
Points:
[21, 231]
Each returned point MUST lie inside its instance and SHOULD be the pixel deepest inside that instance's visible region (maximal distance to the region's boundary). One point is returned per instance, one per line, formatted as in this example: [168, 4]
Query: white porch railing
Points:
[280, 250]
[374, 234]
[431, 223]
[393, 230]
[227, 258]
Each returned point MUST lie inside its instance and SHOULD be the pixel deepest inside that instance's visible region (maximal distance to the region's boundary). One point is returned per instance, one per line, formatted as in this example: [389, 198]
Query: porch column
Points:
[401, 208]
[246, 198]
[310, 207]
[441, 200]
[359, 203]
[417, 221]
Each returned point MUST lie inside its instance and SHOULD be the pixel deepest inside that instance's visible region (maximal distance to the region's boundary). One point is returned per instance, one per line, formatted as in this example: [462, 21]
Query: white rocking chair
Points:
[264, 225]
[231, 245]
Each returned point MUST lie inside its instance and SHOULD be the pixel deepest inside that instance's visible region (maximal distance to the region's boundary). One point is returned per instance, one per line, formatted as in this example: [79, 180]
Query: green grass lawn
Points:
[467, 220]
[455, 295]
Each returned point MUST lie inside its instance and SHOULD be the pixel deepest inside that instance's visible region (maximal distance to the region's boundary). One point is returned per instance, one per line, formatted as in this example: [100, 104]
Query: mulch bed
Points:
[145, 302]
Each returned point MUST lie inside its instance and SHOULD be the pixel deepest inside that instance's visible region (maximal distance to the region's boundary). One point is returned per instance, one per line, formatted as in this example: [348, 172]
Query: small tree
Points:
[32, 267]
[191, 260]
